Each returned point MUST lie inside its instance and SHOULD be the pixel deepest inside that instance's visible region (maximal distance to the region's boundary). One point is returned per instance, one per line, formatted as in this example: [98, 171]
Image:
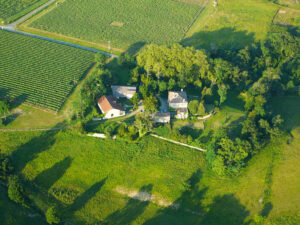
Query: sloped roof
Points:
[162, 114]
[123, 90]
[108, 103]
[177, 96]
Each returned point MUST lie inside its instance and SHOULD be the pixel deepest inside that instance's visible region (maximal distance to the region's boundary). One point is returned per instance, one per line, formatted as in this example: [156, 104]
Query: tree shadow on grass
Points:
[227, 38]
[134, 48]
[30, 150]
[86, 196]
[9, 119]
[49, 176]
[17, 101]
[187, 208]
[133, 209]
[224, 210]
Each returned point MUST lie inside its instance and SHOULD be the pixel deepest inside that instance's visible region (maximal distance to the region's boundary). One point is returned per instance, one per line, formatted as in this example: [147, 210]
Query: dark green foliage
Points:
[6, 167]
[100, 59]
[151, 104]
[96, 86]
[135, 100]
[15, 189]
[51, 216]
[4, 108]
[143, 124]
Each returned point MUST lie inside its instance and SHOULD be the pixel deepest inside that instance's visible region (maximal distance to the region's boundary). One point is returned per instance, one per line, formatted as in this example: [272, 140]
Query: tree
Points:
[151, 104]
[222, 91]
[126, 60]
[51, 216]
[162, 85]
[135, 100]
[15, 190]
[100, 59]
[5, 167]
[201, 109]
[143, 124]
[193, 107]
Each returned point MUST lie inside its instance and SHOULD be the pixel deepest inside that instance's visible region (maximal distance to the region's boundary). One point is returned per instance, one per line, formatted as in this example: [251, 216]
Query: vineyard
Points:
[39, 72]
[13, 9]
[124, 23]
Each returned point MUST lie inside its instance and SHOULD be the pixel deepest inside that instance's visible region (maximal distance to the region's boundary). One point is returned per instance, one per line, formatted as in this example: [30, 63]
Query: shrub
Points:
[51, 216]
[15, 190]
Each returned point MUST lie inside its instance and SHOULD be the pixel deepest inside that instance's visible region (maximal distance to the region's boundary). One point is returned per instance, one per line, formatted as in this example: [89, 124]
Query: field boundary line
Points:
[196, 18]
[178, 143]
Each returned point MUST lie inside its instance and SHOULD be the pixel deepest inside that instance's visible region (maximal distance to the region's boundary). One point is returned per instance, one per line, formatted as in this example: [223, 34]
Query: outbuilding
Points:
[110, 107]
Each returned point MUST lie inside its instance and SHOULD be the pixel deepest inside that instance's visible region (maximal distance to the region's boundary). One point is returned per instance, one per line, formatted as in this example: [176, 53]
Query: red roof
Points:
[108, 103]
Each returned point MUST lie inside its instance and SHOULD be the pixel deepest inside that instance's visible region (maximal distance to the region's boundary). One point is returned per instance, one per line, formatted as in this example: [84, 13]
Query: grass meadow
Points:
[39, 72]
[90, 179]
[232, 24]
[126, 24]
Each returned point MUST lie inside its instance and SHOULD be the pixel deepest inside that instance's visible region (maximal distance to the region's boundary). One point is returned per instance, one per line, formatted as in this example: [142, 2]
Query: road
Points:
[12, 28]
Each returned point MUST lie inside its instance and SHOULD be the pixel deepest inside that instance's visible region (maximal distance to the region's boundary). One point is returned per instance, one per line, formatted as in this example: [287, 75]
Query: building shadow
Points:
[49, 176]
[227, 38]
[133, 209]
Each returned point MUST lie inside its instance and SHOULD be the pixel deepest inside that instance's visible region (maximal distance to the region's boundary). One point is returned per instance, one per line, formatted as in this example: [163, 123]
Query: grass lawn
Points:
[232, 24]
[125, 24]
[97, 191]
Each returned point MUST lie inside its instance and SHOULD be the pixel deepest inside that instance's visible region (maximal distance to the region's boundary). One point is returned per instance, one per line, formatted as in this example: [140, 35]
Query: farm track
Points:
[12, 28]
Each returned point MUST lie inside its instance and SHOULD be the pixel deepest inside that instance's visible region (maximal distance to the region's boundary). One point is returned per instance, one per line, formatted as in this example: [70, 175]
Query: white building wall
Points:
[178, 105]
[114, 113]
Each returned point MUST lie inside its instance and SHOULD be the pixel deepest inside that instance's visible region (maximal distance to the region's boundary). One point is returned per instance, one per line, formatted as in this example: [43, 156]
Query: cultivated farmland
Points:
[39, 72]
[125, 23]
[12, 9]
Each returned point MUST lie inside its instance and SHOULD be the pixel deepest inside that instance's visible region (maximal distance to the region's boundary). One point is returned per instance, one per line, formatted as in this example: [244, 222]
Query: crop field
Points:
[12, 9]
[39, 72]
[126, 24]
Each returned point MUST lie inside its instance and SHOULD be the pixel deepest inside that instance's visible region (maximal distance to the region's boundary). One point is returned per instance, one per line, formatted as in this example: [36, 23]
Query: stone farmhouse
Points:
[110, 107]
[178, 101]
[123, 91]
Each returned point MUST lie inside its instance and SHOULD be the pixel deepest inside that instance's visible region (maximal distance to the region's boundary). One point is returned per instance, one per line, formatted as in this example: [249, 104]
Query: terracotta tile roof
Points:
[108, 103]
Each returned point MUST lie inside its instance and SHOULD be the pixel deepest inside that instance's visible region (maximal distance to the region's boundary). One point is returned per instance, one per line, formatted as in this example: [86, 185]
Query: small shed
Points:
[123, 91]
[162, 117]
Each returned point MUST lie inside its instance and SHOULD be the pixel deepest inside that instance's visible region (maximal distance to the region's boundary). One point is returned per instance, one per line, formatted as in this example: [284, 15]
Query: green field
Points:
[11, 10]
[39, 72]
[97, 191]
[127, 24]
[233, 24]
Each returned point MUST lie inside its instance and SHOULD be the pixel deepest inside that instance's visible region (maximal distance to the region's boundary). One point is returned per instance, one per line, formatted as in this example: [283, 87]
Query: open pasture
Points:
[126, 24]
[13, 9]
[39, 72]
